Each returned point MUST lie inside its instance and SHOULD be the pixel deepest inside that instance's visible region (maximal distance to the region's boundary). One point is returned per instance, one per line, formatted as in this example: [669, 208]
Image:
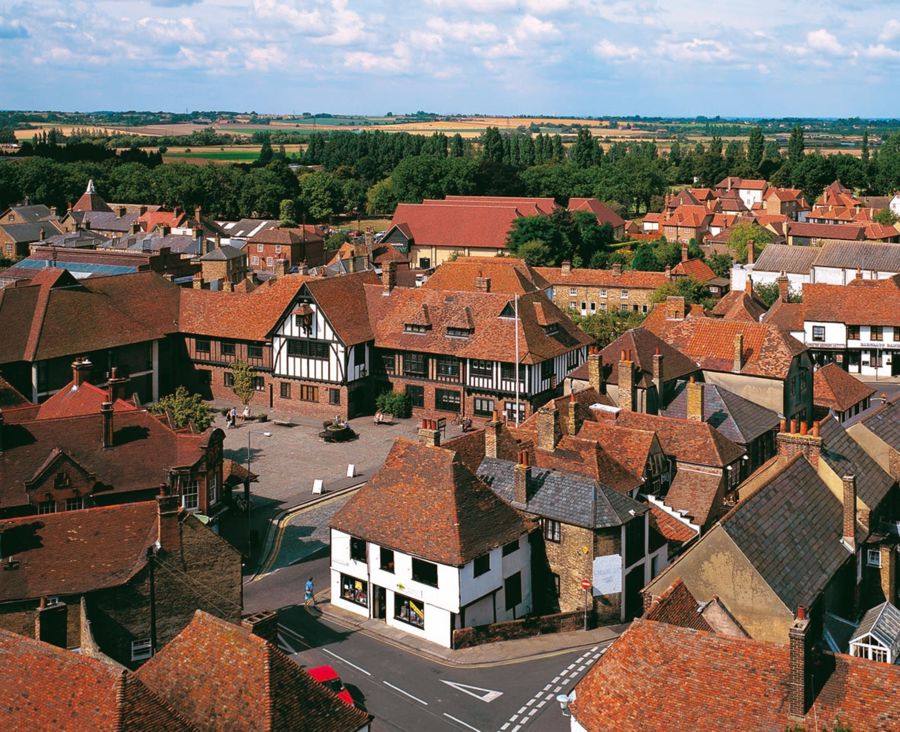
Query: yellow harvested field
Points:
[66, 130]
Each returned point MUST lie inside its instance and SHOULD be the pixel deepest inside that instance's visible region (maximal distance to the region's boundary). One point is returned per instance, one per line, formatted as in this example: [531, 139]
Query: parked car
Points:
[327, 676]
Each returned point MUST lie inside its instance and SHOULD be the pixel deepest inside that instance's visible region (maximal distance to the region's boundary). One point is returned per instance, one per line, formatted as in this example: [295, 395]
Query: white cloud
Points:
[697, 49]
[890, 31]
[547, 7]
[305, 21]
[881, 52]
[531, 28]
[425, 39]
[264, 58]
[822, 40]
[476, 6]
[171, 30]
[348, 26]
[12, 28]
[379, 63]
[463, 31]
[610, 51]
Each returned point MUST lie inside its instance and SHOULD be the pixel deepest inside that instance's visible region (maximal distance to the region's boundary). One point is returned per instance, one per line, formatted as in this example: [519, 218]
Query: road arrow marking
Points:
[486, 695]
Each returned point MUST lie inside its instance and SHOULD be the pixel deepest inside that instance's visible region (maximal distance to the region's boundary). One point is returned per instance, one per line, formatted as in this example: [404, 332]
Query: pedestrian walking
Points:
[245, 415]
[309, 594]
[231, 417]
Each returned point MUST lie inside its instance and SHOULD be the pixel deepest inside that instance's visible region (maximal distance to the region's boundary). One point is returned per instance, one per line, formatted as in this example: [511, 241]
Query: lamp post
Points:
[247, 485]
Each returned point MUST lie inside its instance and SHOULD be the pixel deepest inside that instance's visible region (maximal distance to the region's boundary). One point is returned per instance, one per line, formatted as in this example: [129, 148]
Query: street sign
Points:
[585, 584]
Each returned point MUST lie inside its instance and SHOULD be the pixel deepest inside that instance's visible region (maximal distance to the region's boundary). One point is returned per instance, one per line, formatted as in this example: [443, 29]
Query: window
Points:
[387, 560]
[853, 332]
[510, 548]
[415, 328]
[309, 393]
[643, 308]
[623, 308]
[308, 349]
[269, 261]
[388, 362]
[190, 496]
[818, 333]
[354, 590]
[512, 589]
[202, 345]
[259, 383]
[573, 291]
[510, 410]
[357, 549]
[873, 558]
[593, 307]
[334, 396]
[896, 333]
[285, 388]
[254, 260]
[259, 247]
[359, 354]
[141, 650]
[583, 306]
[61, 480]
[446, 400]
[228, 379]
[552, 530]
[47, 507]
[303, 323]
[278, 249]
[227, 349]
[546, 369]
[508, 371]
[416, 395]
[212, 488]
[876, 331]
[425, 262]
[448, 367]
[603, 307]
[554, 578]
[482, 565]
[483, 407]
[634, 538]
[572, 305]
[74, 504]
[623, 294]
[459, 332]
[254, 351]
[603, 292]
[409, 611]
[415, 364]
[572, 359]
[481, 368]
[425, 572]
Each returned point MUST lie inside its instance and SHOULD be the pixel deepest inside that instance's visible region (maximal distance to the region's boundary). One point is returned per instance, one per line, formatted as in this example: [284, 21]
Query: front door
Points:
[379, 602]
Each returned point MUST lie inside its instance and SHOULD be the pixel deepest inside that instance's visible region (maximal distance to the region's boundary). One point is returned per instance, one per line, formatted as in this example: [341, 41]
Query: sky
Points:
[766, 58]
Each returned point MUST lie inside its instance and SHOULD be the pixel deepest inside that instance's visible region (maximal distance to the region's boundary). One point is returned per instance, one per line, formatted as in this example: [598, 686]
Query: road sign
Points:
[585, 584]
[486, 695]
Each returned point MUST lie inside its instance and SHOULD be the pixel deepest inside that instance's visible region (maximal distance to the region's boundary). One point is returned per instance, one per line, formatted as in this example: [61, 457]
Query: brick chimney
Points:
[81, 370]
[429, 434]
[281, 267]
[573, 423]
[264, 624]
[483, 284]
[626, 382]
[389, 277]
[521, 478]
[684, 252]
[370, 239]
[738, 353]
[548, 432]
[492, 436]
[849, 501]
[748, 286]
[791, 442]
[675, 308]
[784, 289]
[197, 281]
[617, 269]
[565, 269]
[106, 411]
[115, 386]
[888, 554]
[751, 251]
[658, 379]
[595, 370]
[799, 682]
[50, 623]
[167, 523]
[694, 401]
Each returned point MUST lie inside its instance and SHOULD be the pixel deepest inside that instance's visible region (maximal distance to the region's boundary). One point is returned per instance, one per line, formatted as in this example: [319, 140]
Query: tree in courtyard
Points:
[720, 264]
[604, 328]
[693, 291]
[185, 409]
[885, 216]
[242, 384]
[743, 234]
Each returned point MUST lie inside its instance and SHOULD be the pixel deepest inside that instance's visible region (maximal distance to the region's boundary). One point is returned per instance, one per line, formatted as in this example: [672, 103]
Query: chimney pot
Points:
[566, 269]
[803, 428]
[263, 624]
[782, 424]
[168, 525]
[106, 411]
[81, 369]
[521, 478]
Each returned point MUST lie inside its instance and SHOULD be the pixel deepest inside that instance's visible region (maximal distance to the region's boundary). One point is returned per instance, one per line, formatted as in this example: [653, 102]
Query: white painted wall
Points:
[740, 272]
[331, 370]
[842, 276]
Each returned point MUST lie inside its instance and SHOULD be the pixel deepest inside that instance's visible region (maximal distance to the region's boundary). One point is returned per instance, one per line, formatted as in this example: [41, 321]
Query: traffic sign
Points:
[585, 584]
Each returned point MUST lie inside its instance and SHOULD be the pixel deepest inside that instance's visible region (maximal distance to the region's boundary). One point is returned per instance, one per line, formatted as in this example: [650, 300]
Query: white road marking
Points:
[541, 703]
[485, 695]
[405, 693]
[547, 687]
[505, 725]
[459, 721]
[533, 712]
[530, 701]
[358, 668]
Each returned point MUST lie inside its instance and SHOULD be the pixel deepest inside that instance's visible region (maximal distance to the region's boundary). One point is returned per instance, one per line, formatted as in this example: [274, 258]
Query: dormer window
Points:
[552, 328]
[415, 328]
[459, 332]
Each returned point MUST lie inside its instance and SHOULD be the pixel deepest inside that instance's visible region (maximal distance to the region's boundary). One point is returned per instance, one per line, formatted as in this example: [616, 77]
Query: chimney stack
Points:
[281, 267]
[694, 401]
[799, 682]
[595, 370]
[492, 436]
[738, 352]
[197, 281]
[574, 423]
[617, 269]
[626, 382]
[684, 252]
[790, 442]
[675, 308]
[370, 240]
[167, 523]
[429, 434]
[784, 289]
[548, 432]
[748, 286]
[751, 251]
[42, 234]
[888, 554]
[50, 623]
[81, 370]
[658, 379]
[483, 284]
[521, 478]
[263, 624]
[389, 278]
[849, 501]
[566, 269]
[106, 411]
[115, 386]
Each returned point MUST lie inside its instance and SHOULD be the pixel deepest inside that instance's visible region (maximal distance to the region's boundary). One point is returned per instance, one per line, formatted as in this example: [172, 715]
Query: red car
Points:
[327, 676]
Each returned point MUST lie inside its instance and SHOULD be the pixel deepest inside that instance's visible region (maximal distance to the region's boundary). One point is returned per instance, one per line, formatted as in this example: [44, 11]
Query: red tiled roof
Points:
[604, 214]
[850, 232]
[696, 493]
[151, 219]
[287, 235]
[672, 530]
[424, 501]
[688, 216]
[222, 677]
[696, 268]
[50, 688]
[465, 225]
[738, 305]
[734, 182]
[834, 388]
[677, 606]
[506, 274]
[881, 231]
[656, 673]
[862, 302]
[343, 300]
[786, 316]
[629, 278]
[529, 206]
[70, 401]
[784, 194]
[9, 395]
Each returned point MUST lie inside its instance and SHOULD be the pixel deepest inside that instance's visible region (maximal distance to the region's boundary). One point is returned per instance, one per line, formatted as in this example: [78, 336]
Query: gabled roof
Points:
[884, 423]
[222, 253]
[9, 396]
[788, 317]
[848, 232]
[688, 216]
[739, 305]
[221, 677]
[739, 419]
[566, 497]
[834, 388]
[883, 623]
[641, 346]
[30, 232]
[732, 182]
[90, 200]
[45, 687]
[677, 606]
[344, 300]
[31, 213]
[506, 274]
[70, 401]
[286, 235]
[247, 227]
[528, 205]
[696, 494]
[861, 302]
[788, 259]
[604, 214]
[424, 501]
[656, 673]
[673, 530]
[696, 268]
[463, 225]
[846, 457]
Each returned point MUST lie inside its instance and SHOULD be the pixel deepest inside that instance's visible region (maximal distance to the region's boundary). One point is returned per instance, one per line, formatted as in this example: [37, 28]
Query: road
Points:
[405, 691]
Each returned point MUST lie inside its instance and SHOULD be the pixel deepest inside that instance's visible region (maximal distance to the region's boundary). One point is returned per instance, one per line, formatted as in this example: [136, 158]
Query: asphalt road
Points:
[405, 691]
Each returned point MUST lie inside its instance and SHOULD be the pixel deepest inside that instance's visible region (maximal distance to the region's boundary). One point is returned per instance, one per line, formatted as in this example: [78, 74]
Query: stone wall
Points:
[523, 628]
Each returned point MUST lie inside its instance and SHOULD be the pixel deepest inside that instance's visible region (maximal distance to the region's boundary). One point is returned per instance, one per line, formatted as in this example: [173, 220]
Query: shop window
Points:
[355, 590]
[409, 611]
[357, 549]
[482, 565]
[425, 572]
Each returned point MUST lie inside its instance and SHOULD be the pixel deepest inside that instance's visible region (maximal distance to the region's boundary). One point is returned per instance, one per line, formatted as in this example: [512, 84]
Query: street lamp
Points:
[247, 485]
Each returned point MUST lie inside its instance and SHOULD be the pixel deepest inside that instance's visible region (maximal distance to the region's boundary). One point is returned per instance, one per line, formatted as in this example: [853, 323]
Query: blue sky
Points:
[583, 57]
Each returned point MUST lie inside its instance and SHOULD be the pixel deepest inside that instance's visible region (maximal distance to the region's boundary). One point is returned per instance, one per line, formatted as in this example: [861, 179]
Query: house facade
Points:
[588, 291]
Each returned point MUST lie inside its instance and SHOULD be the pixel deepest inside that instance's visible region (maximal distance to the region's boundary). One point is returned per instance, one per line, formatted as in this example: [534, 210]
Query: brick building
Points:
[293, 246]
[587, 291]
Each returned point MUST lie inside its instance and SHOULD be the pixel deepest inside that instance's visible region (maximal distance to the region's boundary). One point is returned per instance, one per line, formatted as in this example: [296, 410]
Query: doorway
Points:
[379, 602]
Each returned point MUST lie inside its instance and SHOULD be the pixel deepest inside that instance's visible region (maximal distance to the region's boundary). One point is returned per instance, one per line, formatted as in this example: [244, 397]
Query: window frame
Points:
[480, 368]
[141, 649]
[334, 397]
[384, 566]
[308, 393]
[190, 495]
[416, 395]
[284, 389]
[853, 333]
[228, 379]
[551, 529]
[818, 333]
[228, 348]
[418, 565]
[448, 400]
[75, 504]
[479, 408]
[411, 360]
[447, 367]
[873, 558]
[202, 345]
[254, 351]
[359, 549]
[401, 601]
[876, 333]
[481, 565]
[349, 593]
[316, 350]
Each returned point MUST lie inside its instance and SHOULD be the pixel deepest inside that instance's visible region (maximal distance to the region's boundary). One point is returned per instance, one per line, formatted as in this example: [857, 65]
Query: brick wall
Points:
[19, 617]
[467, 399]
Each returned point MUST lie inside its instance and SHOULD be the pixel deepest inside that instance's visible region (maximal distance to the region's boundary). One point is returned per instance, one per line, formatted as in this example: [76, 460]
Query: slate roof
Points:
[790, 531]
[656, 673]
[739, 419]
[834, 388]
[626, 279]
[882, 622]
[845, 456]
[424, 501]
[506, 274]
[245, 228]
[884, 423]
[105, 220]
[677, 606]
[222, 677]
[788, 259]
[222, 253]
[861, 302]
[27, 233]
[77, 240]
[565, 497]
[50, 688]
[31, 213]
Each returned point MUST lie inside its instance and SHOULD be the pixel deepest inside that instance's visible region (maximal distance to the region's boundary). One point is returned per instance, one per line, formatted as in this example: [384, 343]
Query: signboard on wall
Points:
[608, 574]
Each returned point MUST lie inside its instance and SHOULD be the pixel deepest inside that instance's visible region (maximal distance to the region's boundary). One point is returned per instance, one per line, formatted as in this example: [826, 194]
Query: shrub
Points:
[395, 403]
[185, 408]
